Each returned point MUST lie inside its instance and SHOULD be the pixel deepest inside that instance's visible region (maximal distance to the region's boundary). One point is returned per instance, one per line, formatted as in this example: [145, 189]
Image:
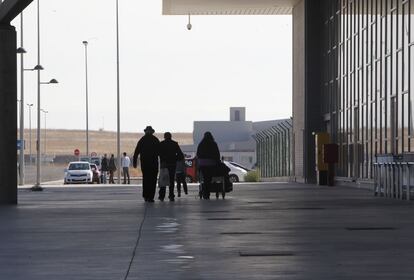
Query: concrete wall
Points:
[299, 89]
[240, 111]
[224, 131]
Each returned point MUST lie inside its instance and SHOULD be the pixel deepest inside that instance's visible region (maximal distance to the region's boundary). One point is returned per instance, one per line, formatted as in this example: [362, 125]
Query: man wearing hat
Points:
[148, 150]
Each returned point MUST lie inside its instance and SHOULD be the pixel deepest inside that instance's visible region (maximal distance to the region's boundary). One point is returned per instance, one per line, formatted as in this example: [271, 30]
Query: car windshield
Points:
[79, 166]
[239, 166]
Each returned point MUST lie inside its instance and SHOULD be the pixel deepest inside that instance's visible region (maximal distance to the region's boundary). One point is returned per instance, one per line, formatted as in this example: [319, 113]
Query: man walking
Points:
[104, 168]
[170, 152]
[126, 162]
[148, 150]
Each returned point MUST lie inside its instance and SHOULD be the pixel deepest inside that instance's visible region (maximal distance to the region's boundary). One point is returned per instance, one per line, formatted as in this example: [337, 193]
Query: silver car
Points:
[78, 172]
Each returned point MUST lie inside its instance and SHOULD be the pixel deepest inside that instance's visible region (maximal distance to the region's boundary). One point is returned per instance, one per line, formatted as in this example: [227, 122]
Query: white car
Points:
[236, 173]
[78, 172]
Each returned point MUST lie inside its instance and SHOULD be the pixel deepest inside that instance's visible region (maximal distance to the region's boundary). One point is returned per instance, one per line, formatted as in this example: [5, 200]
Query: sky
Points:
[169, 76]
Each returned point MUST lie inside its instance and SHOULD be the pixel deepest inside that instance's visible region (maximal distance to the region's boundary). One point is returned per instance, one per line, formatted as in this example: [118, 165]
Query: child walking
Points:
[181, 174]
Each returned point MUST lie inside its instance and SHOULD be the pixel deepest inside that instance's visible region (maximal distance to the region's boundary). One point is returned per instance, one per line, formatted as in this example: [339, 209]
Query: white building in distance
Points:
[234, 137]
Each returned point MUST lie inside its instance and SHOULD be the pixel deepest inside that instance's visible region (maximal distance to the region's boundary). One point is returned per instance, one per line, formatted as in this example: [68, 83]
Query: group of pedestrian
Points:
[166, 156]
[108, 166]
[167, 159]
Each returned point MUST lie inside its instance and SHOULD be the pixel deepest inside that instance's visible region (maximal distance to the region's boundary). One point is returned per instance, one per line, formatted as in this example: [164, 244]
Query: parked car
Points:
[94, 160]
[240, 166]
[191, 170]
[236, 173]
[96, 173]
[78, 172]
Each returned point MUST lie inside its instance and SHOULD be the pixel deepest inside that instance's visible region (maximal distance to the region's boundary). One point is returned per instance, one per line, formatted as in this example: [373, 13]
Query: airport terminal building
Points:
[353, 67]
[352, 75]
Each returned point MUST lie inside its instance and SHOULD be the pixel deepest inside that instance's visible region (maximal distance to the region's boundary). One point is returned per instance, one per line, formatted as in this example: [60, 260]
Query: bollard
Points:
[375, 179]
[408, 181]
[400, 181]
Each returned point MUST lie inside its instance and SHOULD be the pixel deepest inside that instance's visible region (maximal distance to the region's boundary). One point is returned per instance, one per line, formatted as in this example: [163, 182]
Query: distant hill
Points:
[64, 142]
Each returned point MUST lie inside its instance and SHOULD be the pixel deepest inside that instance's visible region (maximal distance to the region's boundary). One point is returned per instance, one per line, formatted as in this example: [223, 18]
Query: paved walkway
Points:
[264, 231]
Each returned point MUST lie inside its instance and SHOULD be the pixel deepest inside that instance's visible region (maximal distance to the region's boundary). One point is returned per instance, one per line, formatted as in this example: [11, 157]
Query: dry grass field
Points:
[64, 142]
[61, 142]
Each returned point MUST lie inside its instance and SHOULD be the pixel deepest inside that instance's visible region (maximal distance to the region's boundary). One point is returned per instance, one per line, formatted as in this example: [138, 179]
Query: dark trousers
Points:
[171, 173]
[207, 173]
[149, 181]
[125, 171]
[111, 177]
[181, 180]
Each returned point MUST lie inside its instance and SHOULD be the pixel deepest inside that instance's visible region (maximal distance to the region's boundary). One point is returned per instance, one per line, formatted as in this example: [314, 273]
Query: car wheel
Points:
[233, 178]
[188, 179]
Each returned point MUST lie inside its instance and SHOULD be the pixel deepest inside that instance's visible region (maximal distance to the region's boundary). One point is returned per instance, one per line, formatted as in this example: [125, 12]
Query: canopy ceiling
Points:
[228, 7]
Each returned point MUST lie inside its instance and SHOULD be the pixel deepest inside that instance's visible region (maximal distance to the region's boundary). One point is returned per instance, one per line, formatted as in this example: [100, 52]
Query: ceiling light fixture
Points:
[189, 26]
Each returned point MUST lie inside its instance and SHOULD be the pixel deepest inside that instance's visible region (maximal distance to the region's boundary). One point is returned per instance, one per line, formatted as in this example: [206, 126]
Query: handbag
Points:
[164, 178]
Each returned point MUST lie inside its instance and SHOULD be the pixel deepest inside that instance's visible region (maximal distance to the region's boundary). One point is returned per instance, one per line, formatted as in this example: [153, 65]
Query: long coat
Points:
[148, 150]
[208, 149]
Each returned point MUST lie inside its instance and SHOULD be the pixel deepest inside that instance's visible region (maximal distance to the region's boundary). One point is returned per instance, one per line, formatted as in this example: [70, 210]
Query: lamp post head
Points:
[21, 51]
[85, 43]
[38, 67]
[30, 105]
[53, 81]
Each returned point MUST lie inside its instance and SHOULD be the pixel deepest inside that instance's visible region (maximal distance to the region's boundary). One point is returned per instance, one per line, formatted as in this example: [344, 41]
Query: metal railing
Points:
[394, 179]
[274, 150]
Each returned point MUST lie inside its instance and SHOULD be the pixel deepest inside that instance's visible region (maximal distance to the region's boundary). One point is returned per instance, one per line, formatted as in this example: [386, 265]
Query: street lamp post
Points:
[21, 51]
[45, 132]
[37, 186]
[30, 132]
[18, 113]
[85, 43]
[118, 95]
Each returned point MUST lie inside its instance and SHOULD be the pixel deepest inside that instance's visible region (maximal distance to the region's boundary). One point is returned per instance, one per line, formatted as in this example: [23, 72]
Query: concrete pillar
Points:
[8, 115]
[314, 41]
[307, 84]
[298, 109]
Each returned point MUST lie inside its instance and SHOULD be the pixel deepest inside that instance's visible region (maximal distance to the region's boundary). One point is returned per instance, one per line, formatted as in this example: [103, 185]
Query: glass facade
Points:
[368, 80]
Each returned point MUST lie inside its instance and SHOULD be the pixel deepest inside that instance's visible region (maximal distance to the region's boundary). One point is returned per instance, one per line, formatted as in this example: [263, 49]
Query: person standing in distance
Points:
[169, 154]
[126, 162]
[112, 169]
[104, 168]
[148, 150]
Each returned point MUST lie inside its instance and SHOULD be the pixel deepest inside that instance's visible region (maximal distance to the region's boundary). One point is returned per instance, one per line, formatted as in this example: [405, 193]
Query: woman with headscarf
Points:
[208, 158]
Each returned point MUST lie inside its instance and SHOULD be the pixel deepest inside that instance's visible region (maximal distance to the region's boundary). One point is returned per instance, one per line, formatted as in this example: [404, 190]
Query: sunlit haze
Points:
[170, 76]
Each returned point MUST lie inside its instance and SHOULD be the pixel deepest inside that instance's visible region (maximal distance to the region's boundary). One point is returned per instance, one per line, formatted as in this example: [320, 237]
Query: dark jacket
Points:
[170, 152]
[148, 149]
[208, 149]
[112, 165]
[104, 164]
